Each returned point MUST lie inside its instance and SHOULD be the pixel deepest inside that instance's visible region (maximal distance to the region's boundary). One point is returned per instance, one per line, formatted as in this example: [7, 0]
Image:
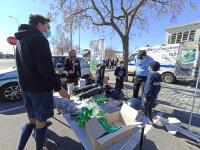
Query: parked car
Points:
[9, 88]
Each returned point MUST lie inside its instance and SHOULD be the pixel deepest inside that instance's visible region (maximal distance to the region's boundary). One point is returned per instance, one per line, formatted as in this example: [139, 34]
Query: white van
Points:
[178, 61]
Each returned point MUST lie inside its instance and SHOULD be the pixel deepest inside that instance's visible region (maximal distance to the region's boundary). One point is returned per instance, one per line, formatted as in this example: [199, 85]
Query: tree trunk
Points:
[125, 43]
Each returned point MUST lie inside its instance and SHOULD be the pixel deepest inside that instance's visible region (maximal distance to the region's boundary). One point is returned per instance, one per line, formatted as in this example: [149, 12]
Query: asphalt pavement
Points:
[174, 101]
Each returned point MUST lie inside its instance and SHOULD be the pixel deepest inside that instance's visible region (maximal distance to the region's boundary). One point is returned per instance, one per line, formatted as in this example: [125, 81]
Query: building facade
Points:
[183, 33]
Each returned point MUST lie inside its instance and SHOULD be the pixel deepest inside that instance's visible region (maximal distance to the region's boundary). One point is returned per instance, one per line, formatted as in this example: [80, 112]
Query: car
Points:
[9, 87]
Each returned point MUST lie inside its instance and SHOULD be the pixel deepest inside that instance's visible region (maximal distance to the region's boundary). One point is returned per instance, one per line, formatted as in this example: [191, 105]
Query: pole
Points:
[79, 39]
[14, 49]
[15, 20]
[141, 138]
[70, 24]
[194, 98]
[195, 93]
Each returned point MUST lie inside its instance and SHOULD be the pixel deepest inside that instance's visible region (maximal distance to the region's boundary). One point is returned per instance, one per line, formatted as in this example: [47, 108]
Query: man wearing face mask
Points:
[37, 77]
[142, 64]
[72, 66]
[120, 73]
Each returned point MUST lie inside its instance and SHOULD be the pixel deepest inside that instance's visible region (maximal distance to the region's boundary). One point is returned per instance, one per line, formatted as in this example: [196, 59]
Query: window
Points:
[185, 36]
[188, 56]
[131, 58]
[169, 38]
[179, 37]
[192, 35]
[173, 39]
[58, 59]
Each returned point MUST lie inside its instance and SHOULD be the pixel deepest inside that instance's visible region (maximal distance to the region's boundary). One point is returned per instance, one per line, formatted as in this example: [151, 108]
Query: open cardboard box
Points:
[125, 118]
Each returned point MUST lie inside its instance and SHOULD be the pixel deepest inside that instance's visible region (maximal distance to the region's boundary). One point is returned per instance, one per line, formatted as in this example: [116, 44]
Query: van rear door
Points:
[186, 61]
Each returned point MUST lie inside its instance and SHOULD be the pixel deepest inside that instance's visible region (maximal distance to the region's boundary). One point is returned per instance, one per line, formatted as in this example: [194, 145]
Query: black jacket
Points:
[68, 65]
[152, 86]
[34, 61]
[120, 72]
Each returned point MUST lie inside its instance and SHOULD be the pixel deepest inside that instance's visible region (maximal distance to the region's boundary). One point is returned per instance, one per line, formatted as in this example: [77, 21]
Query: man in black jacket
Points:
[37, 77]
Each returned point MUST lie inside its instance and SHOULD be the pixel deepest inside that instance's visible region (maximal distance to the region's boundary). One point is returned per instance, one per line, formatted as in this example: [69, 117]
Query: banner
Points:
[97, 54]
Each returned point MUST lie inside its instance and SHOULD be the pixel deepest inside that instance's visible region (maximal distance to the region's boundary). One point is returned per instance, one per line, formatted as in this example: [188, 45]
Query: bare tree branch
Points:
[105, 6]
[99, 13]
[142, 2]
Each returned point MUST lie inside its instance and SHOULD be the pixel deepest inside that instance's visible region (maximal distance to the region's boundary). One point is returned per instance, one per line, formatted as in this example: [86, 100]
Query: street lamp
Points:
[15, 20]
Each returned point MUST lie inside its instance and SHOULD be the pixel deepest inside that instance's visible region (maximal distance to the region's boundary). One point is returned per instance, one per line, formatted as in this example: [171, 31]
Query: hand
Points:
[145, 101]
[63, 93]
[71, 72]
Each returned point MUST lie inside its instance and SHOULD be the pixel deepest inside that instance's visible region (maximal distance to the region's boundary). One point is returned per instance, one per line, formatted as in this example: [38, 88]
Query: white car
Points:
[9, 88]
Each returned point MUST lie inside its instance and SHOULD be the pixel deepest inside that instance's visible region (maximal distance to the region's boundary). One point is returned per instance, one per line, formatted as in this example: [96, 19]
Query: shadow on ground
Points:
[65, 142]
[147, 144]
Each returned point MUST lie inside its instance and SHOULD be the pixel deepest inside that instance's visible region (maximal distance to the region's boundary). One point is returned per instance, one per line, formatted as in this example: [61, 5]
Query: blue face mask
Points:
[47, 34]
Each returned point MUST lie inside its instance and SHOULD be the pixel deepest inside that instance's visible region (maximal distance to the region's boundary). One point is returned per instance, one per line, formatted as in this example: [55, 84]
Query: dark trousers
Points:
[139, 81]
[148, 108]
[119, 85]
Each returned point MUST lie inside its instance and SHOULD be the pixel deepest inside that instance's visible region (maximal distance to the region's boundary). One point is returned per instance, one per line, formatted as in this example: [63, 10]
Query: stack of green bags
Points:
[101, 100]
[84, 116]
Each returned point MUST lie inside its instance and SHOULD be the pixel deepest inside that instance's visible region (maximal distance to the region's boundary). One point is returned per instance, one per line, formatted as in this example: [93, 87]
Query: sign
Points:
[12, 40]
[97, 54]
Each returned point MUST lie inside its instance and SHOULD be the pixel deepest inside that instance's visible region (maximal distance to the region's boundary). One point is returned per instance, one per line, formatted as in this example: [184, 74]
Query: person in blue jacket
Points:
[152, 89]
[142, 63]
[120, 73]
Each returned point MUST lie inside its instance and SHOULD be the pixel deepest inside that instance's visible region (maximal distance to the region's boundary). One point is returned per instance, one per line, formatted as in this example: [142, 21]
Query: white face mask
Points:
[121, 65]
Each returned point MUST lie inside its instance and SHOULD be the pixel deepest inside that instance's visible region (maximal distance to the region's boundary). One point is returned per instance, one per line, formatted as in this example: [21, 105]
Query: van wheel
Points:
[11, 92]
[168, 78]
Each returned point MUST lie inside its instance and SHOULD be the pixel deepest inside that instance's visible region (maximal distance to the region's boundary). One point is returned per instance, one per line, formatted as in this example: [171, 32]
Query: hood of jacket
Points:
[25, 29]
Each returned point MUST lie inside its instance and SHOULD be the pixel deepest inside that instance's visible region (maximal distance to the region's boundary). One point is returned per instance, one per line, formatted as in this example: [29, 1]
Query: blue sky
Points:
[21, 9]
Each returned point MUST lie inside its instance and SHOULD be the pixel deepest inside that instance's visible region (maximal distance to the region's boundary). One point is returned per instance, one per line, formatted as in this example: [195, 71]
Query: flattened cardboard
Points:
[125, 113]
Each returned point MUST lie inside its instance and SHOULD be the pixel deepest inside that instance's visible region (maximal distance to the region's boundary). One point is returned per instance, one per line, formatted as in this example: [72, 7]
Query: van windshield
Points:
[131, 58]
[188, 56]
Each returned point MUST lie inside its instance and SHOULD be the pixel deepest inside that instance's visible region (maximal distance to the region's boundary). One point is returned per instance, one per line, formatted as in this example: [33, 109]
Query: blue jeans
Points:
[39, 105]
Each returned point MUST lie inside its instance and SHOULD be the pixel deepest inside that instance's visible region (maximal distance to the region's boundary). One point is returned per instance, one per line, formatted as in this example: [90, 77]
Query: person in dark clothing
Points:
[61, 75]
[152, 89]
[37, 77]
[142, 63]
[120, 73]
[72, 66]
[100, 73]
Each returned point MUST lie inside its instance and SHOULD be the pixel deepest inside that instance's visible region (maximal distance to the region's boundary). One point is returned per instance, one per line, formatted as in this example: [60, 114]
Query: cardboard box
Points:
[105, 81]
[125, 118]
